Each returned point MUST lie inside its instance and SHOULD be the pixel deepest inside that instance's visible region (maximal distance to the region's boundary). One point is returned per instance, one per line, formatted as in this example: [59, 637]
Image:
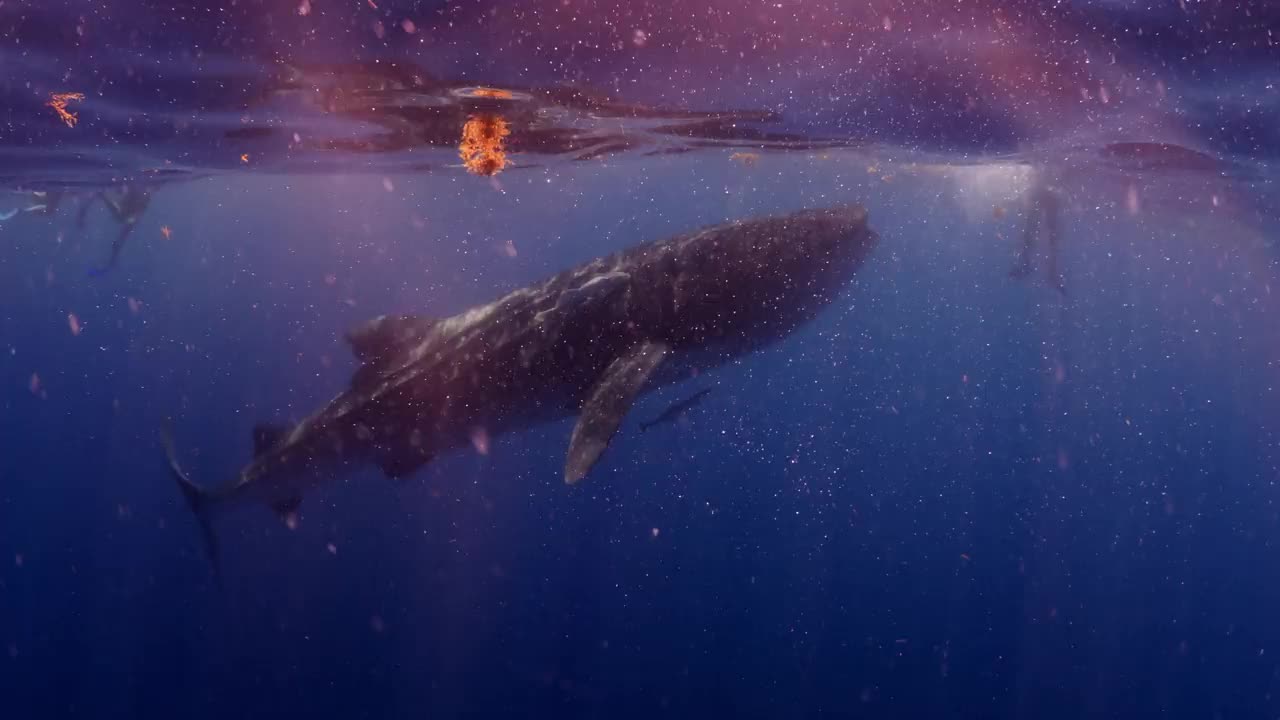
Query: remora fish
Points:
[676, 410]
[588, 340]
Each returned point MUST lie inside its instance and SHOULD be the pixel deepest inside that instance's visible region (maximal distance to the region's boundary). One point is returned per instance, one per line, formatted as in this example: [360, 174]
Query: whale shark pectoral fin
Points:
[609, 402]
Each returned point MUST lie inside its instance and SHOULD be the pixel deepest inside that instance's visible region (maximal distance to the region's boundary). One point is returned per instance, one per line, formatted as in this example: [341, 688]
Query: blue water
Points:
[954, 494]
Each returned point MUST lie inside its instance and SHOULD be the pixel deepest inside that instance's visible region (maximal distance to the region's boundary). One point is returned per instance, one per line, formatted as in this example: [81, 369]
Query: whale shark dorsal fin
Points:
[608, 403]
[596, 288]
[380, 339]
[267, 436]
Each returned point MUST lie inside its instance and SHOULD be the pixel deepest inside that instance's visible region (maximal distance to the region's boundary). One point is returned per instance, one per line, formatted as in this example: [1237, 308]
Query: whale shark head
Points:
[811, 252]
[759, 279]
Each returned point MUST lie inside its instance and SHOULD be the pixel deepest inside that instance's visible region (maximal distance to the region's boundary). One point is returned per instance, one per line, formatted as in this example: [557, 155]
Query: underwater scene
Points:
[667, 358]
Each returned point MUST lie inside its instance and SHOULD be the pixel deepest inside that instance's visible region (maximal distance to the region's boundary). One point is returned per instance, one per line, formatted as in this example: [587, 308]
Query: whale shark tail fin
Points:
[197, 499]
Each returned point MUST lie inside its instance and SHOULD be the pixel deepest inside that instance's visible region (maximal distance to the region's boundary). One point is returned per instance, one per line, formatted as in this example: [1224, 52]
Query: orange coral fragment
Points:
[58, 101]
[481, 149]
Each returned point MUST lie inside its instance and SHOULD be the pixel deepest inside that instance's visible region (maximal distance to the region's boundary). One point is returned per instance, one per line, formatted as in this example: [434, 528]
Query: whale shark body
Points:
[587, 341]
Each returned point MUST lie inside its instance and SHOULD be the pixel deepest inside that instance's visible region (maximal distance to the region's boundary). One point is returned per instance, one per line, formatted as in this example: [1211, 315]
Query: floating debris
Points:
[73, 322]
[480, 440]
[483, 138]
[494, 93]
[58, 101]
[166, 232]
[1131, 201]
[748, 159]
[34, 384]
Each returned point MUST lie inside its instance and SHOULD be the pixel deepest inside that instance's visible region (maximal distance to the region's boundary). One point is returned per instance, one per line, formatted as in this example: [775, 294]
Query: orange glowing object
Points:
[244, 158]
[58, 101]
[496, 93]
[166, 232]
[482, 148]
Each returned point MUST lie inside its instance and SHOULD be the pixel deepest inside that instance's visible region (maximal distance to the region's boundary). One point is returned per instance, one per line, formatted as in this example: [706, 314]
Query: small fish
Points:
[676, 410]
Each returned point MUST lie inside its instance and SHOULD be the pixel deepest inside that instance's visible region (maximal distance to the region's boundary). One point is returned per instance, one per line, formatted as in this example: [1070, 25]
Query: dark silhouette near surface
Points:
[127, 206]
[1043, 210]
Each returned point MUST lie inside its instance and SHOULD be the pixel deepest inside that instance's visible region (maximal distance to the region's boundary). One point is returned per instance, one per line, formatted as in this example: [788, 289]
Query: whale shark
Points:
[586, 342]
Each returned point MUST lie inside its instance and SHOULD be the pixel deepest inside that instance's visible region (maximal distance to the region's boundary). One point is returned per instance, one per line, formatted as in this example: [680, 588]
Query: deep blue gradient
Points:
[955, 494]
